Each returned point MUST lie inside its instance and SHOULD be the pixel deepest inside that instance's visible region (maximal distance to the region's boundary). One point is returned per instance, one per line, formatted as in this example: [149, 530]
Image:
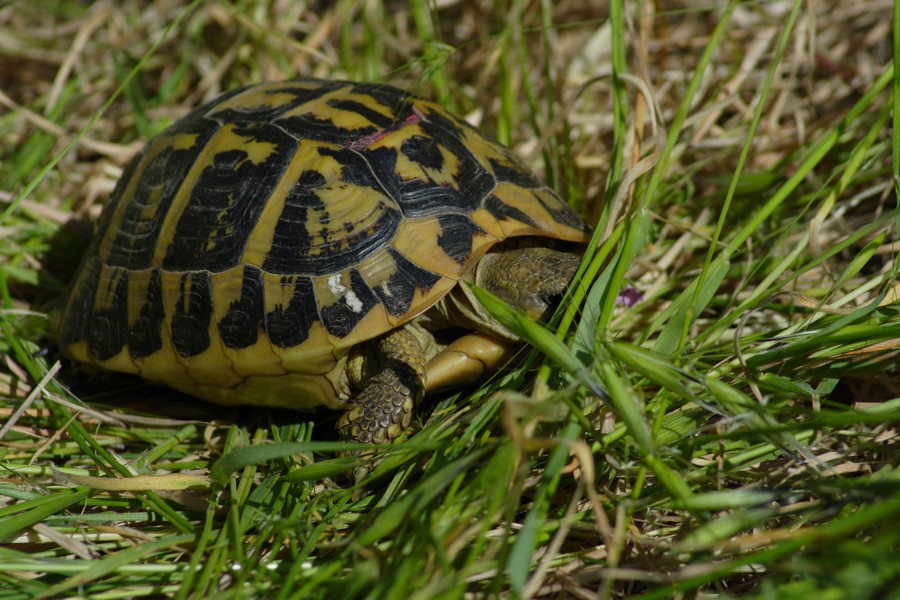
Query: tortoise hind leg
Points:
[387, 377]
[469, 359]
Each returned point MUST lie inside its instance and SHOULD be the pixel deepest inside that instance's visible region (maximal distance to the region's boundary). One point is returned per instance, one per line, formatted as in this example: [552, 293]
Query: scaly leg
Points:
[387, 377]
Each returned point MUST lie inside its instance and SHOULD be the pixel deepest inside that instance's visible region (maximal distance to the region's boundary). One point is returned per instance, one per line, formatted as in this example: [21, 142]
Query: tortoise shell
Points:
[254, 242]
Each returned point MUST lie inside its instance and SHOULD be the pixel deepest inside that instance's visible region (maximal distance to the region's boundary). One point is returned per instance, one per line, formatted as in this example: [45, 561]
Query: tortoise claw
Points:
[382, 411]
[389, 373]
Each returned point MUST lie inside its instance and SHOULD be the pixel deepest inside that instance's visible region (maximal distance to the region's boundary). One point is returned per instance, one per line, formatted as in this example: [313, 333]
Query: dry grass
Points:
[743, 177]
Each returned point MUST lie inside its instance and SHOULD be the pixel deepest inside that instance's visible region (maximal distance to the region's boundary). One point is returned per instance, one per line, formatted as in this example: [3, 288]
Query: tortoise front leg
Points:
[386, 376]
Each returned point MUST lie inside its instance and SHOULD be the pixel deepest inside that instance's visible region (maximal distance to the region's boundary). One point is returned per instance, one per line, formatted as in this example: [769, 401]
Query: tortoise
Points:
[299, 243]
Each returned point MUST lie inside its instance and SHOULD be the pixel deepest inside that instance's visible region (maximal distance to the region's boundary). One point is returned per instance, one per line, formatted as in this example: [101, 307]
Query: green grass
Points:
[732, 433]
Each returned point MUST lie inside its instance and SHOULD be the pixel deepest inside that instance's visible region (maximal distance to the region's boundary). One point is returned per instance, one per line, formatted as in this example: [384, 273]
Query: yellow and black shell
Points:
[254, 242]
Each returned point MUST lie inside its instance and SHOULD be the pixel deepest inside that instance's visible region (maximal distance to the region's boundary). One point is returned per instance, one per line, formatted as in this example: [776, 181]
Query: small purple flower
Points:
[628, 297]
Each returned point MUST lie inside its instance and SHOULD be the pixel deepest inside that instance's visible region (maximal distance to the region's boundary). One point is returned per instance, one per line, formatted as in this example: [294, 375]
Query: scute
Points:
[193, 315]
[243, 322]
[275, 227]
[241, 165]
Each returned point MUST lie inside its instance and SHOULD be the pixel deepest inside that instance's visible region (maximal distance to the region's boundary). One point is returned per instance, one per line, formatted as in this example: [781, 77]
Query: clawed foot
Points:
[387, 375]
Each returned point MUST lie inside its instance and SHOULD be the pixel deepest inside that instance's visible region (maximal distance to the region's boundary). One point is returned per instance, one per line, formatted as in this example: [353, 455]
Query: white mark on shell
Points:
[339, 289]
[335, 285]
[353, 302]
